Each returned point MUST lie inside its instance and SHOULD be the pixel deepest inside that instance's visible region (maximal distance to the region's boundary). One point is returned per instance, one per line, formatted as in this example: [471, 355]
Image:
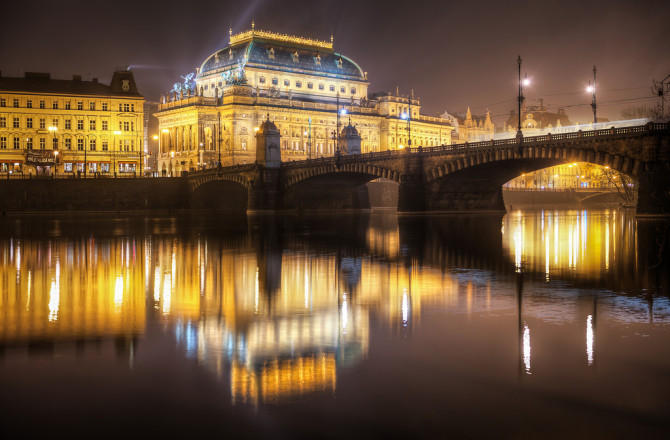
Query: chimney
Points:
[76, 77]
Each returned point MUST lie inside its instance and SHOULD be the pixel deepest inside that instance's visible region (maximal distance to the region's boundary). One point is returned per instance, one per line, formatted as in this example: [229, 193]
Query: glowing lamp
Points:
[590, 89]
[404, 116]
[526, 81]
[165, 130]
[343, 111]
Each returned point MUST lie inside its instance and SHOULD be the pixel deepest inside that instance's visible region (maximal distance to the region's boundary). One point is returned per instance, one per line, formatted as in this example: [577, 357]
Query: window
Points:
[310, 85]
[3, 102]
[54, 143]
[132, 124]
[55, 105]
[275, 81]
[332, 88]
[261, 80]
[54, 122]
[29, 103]
[298, 83]
[68, 143]
[342, 89]
[126, 126]
[105, 146]
[42, 104]
[43, 123]
[105, 125]
[92, 144]
[67, 167]
[126, 107]
[3, 122]
[132, 107]
[29, 123]
[91, 106]
[43, 143]
[104, 167]
[15, 123]
[68, 124]
[80, 144]
[321, 87]
[3, 142]
[67, 106]
[104, 106]
[80, 105]
[91, 125]
[16, 103]
[29, 143]
[287, 83]
[80, 124]
[353, 90]
[17, 143]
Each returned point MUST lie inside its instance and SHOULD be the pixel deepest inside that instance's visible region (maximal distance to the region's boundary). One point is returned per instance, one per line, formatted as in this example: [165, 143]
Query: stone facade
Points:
[50, 126]
[304, 86]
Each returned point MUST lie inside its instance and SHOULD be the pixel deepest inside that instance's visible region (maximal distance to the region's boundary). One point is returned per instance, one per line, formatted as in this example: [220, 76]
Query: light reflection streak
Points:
[157, 284]
[167, 293]
[589, 339]
[345, 313]
[405, 306]
[54, 295]
[526, 348]
[118, 291]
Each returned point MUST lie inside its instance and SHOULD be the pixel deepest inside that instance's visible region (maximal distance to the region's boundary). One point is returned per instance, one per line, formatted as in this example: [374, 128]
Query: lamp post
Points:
[525, 82]
[219, 142]
[116, 133]
[155, 138]
[592, 89]
[54, 147]
[407, 117]
[161, 145]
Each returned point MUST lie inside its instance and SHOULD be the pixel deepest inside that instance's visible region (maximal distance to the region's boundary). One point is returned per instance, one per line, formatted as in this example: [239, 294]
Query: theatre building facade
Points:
[310, 92]
[70, 127]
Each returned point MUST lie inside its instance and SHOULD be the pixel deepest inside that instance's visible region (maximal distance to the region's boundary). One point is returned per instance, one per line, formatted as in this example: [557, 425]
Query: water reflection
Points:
[277, 308]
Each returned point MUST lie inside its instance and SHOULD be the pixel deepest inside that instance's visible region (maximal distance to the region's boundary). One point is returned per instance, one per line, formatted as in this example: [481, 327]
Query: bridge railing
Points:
[457, 148]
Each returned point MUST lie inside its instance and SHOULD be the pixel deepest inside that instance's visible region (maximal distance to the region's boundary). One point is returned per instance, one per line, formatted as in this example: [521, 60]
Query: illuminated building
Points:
[537, 117]
[472, 128]
[568, 176]
[308, 90]
[58, 126]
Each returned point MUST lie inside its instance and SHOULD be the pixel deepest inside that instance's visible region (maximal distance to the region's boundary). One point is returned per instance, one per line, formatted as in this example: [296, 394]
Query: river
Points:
[536, 324]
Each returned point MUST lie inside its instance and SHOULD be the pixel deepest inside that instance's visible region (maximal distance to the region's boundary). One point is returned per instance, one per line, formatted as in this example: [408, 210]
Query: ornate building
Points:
[52, 126]
[471, 128]
[304, 86]
[536, 117]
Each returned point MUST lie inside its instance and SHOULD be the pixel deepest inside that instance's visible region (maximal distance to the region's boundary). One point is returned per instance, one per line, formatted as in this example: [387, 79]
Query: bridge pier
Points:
[264, 190]
[654, 191]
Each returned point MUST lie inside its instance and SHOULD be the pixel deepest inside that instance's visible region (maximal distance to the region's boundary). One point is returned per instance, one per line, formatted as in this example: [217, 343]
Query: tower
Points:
[267, 145]
[350, 140]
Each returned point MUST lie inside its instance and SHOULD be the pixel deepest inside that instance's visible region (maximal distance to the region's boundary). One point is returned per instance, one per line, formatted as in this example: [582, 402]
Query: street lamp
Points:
[407, 117]
[54, 147]
[116, 133]
[592, 89]
[525, 82]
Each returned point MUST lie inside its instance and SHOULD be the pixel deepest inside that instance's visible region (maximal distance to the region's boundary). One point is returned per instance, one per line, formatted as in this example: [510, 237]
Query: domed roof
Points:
[268, 126]
[280, 52]
[349, 131]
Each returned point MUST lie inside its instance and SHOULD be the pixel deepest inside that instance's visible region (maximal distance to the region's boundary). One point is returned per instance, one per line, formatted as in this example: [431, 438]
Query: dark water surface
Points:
[542, 324]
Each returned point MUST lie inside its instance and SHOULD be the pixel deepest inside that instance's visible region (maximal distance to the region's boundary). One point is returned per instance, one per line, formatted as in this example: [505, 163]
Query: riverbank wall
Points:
[102, 194]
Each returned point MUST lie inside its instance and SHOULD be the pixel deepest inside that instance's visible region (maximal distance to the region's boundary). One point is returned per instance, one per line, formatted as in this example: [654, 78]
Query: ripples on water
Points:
[547, 323]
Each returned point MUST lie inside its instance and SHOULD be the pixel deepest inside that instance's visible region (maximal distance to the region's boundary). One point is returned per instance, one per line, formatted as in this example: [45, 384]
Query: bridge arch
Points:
[542, 156]
[373, 171]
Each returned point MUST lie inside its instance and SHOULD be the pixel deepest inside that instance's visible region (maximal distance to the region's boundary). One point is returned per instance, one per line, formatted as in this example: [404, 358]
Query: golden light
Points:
[256, 129]
[401, 146]
[117, 133]
[155, 137]
[171, 153]
[52, 128]
[590, 89]
[165, 130]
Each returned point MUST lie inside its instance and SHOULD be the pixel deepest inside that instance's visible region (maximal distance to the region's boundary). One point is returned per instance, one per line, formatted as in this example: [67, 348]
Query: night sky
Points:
[453, 54]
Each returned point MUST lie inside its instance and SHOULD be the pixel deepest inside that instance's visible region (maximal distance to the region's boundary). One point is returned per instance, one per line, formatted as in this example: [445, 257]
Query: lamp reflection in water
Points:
[526, 348]
[589, 339]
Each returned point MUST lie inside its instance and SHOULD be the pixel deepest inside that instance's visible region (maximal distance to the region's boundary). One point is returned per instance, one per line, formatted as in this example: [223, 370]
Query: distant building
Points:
[151, 135]
[471, 128]
[66, 126]
[536, 117]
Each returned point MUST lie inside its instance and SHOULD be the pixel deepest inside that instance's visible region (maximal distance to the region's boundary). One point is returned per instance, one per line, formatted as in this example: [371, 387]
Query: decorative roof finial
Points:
[230, 33]
[253, 24]
[331, 38]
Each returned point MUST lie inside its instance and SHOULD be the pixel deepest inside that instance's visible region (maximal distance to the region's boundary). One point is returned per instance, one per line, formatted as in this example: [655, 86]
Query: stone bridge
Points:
[461, 177]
